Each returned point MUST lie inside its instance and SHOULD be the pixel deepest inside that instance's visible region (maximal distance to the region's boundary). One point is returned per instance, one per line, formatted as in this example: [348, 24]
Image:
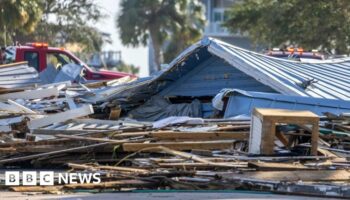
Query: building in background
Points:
[215, 13]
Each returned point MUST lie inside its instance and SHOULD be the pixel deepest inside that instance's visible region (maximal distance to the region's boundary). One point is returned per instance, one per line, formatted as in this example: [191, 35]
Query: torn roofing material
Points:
[241, 103]
[17, 75]
[322, 79]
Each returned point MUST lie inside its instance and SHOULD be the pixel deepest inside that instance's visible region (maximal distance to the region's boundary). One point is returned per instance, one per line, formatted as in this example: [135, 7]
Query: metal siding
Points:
[208, 78]
[243, 102]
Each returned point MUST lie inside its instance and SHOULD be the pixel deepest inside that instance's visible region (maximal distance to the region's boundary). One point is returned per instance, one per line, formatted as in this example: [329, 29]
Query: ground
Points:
[155, 195]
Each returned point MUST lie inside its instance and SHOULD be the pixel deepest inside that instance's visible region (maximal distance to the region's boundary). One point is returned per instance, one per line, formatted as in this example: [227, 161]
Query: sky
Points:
[137, 56]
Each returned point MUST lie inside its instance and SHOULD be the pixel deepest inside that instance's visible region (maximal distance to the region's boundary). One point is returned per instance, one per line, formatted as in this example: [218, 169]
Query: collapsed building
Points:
[191, 81]
[218, 117]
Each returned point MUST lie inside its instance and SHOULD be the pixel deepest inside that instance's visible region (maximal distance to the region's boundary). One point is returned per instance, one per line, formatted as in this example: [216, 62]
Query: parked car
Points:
[40, 56]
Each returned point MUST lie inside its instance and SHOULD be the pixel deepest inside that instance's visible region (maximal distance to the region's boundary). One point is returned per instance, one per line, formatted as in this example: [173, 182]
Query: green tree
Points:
[319, 24]
[68, 21]
[187, 33]
[157, 21]
[18, 16]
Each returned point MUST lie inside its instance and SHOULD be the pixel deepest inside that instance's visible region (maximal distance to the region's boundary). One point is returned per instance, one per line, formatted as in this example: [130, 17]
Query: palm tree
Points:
[156, 21]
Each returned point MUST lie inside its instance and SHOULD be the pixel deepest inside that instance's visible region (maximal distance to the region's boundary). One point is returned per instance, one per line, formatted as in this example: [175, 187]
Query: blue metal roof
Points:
[328, 79]
[241, 103]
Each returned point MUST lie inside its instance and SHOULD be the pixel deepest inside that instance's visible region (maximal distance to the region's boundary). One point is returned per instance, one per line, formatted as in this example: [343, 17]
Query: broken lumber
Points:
[200, 135]
[188, 145]
[31, 94]
[61, 117]
[113, 168]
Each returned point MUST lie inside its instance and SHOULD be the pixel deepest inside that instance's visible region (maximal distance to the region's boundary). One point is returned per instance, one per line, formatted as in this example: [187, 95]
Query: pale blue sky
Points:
[136, 56]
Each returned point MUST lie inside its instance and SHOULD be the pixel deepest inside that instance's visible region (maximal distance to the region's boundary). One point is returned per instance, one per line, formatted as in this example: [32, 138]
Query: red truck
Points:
[40, 55]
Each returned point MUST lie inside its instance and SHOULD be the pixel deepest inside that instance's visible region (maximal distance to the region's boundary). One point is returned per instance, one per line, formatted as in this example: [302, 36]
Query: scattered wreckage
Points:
[168, 132]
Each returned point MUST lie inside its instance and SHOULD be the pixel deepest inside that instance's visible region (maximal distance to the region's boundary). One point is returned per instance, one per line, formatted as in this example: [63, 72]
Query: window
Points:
[57, 60]
[32, 58]
[217, 16]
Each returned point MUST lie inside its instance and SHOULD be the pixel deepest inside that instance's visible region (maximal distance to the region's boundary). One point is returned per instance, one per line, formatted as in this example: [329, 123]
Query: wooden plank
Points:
[61, 117]
[41, 189]
[16, 107]
[267, 112]
[115, 113]
[200, 135]
[102, 167]
[210, 145]
[93, 139]
[282, 138]
[180, 154]
[277, 166]
[203, 165]
[24, 158]
[31, 94]
[14, 64]
[9, 90]
[315, 175]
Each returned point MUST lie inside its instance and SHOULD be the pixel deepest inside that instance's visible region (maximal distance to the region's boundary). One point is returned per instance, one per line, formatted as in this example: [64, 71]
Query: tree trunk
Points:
[157, 51]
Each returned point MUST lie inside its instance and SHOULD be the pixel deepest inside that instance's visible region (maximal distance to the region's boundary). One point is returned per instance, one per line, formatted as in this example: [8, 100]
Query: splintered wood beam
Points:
[104, 167]
[203, 165]
[64, 132]
[61, 117]
[40, 155]
[209, 145]
[31, 94]
[16, 107]
[93, 139]
[278, 166]
[201, 135]
[180, 154]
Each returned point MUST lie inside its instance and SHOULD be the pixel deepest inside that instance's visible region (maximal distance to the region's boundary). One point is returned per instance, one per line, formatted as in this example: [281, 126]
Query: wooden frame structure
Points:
[263, 130]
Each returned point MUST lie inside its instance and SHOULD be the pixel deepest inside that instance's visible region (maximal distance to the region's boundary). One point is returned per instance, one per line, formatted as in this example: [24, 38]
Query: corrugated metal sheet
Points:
[330, 77]
[208, 78]
[287, 77]
[243, 102]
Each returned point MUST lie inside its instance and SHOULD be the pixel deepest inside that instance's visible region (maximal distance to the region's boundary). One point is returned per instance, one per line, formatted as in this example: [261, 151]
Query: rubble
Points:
[85, 128]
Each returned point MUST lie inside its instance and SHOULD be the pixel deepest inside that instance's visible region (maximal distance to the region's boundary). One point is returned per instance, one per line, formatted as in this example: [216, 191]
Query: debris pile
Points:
[191, 155]
[76, 127]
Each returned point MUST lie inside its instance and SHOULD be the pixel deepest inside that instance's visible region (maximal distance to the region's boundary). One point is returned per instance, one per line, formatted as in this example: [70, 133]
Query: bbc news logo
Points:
[13, 178]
